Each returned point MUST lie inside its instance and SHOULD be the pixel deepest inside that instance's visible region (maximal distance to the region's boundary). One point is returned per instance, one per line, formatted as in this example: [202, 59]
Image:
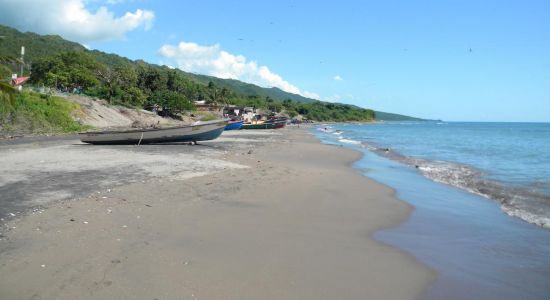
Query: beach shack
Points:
[233, 111]
[203, 106]
[251, 114]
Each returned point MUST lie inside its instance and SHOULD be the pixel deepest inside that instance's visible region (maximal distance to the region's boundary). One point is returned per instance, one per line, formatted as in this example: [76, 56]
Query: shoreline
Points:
[465, 237]
[287, 224]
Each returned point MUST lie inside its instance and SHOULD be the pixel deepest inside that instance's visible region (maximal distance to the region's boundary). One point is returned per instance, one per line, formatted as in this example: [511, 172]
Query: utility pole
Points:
[22, 61]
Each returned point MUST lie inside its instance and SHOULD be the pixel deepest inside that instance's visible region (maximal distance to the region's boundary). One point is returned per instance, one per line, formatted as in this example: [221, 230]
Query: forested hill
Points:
[55, 61]
[37, 46]
[384, 116]
[250, 89]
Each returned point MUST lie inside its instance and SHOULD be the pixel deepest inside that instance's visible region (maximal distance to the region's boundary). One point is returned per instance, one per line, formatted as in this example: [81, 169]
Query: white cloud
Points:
[214, 61]
[333, 98]
[338, 78]
[71, 19]
[311, 95]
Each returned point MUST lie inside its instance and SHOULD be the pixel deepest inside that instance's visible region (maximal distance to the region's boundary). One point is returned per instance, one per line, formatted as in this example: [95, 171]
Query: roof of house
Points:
[19, 80]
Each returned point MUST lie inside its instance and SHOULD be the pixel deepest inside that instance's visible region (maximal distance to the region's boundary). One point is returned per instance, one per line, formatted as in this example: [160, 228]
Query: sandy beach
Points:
[251, 215]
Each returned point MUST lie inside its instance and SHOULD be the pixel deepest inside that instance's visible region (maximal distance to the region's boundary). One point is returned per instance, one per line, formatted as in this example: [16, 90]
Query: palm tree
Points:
[224, 94]
[213, 93]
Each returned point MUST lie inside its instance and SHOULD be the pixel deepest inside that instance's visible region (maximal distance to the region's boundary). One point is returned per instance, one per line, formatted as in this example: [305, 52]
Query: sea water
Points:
[481, 197]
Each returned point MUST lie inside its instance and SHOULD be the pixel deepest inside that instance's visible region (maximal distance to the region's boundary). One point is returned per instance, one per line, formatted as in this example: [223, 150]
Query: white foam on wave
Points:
[369, 147]
[348, 141]
[516, 203]
[453, 174]
[327, 129]
[527, 216]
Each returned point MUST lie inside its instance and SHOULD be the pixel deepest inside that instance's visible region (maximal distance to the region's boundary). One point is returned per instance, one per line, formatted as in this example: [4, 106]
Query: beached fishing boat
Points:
[265, 125]
[279, 125]
[279, 122]
[274, 123]
[234, 125]
[187, 133]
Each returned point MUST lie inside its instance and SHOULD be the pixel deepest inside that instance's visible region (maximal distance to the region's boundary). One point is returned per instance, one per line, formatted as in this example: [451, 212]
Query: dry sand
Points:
[287, 218]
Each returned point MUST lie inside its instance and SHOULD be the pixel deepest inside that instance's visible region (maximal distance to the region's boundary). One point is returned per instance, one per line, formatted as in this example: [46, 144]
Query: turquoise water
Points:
[506, 162]
[460, 227]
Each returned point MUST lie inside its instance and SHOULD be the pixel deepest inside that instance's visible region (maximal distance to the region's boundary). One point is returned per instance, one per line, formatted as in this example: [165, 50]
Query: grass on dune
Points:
[27, 112]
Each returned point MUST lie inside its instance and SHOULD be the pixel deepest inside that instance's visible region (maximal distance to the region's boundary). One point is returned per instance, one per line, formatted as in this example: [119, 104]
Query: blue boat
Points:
[234, 125]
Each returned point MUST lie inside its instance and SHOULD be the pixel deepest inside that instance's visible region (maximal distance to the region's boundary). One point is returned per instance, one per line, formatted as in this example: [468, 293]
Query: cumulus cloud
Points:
[311, 95]
[333, 98]
[214, 61]
[71, 19]
[338, 78]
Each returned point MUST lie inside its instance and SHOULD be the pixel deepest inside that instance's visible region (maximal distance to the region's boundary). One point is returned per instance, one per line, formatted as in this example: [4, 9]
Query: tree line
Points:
[139, 84]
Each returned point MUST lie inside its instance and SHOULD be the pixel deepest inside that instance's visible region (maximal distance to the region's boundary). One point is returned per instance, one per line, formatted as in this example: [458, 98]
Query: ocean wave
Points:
[326, 129]
[348, 141]
[527, 216]
[450, 173]
[529, 203]
[338, 134]
[524, 202]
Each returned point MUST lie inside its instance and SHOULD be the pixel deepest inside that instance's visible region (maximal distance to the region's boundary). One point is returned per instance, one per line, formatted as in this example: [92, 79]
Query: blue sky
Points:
[451, 60]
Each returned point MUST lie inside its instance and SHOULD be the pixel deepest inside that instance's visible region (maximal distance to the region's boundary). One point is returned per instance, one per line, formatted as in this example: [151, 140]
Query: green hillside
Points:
[39, 47]
[251, 89]
[36, 46]
[384, 116]
[276, 93]
[68, 65]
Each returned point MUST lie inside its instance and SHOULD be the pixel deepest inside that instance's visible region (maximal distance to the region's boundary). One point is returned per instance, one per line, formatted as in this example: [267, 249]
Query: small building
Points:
[18, 82]
[256, 114]
[214, 108]
[232, 111]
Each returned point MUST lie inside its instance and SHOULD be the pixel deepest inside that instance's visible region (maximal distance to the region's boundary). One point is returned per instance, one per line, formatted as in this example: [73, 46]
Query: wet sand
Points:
[267, 215]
